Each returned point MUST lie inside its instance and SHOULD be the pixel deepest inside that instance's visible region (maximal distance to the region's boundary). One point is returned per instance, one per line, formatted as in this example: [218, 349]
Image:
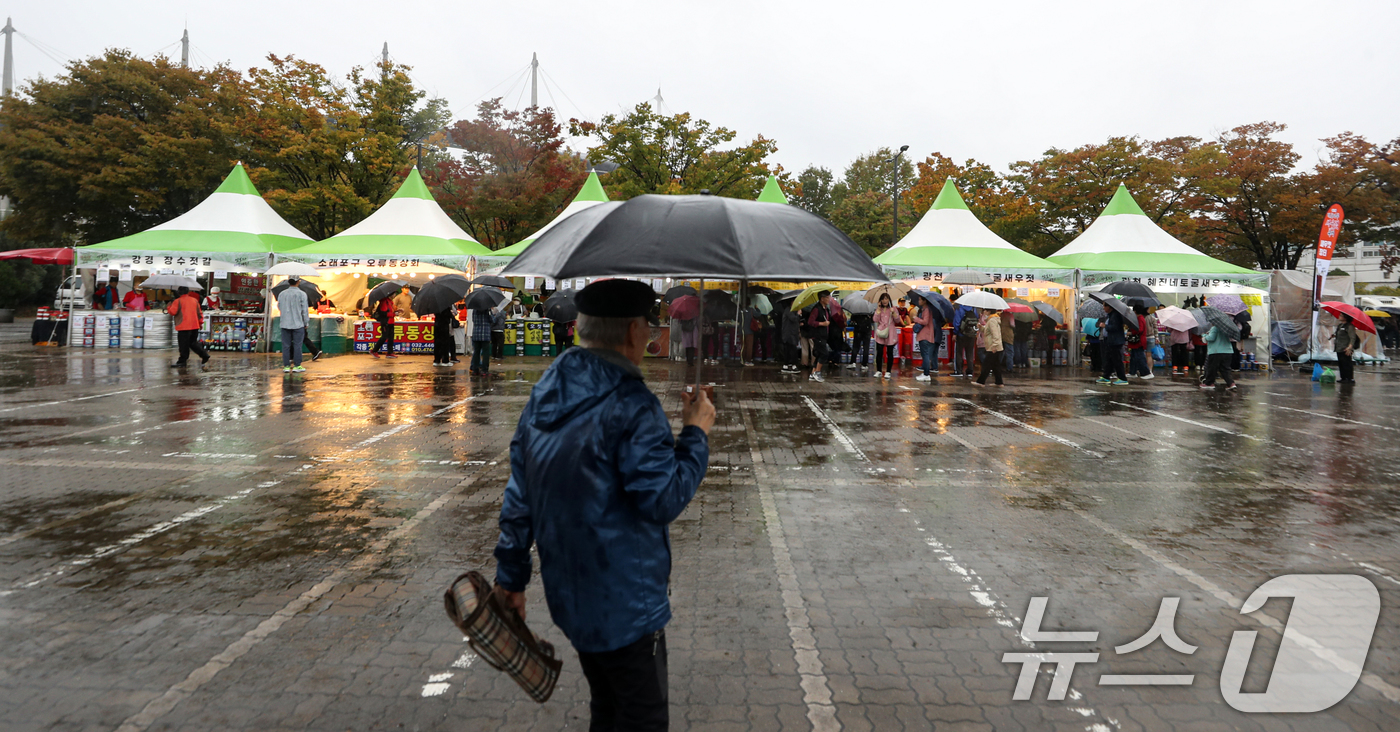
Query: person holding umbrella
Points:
[596, 477]
[1137, 346]
[1345, 343]
[993, 343]
[1219, 350]
[964, 339]
[928, 331]
[1111, 342]
[819, 324]
[384, 312]
[887, 321]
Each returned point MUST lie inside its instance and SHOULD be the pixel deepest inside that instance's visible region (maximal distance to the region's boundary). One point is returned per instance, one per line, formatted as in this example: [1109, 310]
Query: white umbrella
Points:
[982, 299]
[289, 269]
[170, 282]
[967, 277]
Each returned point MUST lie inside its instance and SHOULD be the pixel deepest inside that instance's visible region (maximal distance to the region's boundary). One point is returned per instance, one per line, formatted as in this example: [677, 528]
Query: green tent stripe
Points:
[414, 187]
[514, 249]
[1122, 203]
[1149, 262]
[391, 245]
[199, 241]
[949, 197]
[960, 257]
[772, 192]
[237, 182]
[592, 189]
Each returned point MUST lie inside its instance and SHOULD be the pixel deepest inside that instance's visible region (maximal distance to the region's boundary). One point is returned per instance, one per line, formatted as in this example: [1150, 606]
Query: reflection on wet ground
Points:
[232, 547]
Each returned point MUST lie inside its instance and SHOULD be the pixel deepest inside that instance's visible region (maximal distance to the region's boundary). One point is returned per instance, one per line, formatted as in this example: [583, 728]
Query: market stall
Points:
[1124, 244]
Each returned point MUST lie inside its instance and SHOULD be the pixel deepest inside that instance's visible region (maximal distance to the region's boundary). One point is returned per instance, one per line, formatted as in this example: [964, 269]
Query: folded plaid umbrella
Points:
[499, 635]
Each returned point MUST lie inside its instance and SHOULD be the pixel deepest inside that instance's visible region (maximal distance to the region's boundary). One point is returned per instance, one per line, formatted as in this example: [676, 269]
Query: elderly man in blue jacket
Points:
[595, 479]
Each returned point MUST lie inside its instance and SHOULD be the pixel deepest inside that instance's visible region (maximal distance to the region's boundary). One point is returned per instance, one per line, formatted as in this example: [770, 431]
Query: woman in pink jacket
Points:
[887, 322]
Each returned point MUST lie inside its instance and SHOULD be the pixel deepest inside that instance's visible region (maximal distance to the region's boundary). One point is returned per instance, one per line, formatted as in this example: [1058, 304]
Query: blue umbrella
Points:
[943, 304]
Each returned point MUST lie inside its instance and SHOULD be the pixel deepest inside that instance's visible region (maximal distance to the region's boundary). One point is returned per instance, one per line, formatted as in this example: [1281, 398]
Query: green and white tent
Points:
[1123, 242]
[409, 230]
[589, 196]
[233, 225]
[949, 237]
[772, 192]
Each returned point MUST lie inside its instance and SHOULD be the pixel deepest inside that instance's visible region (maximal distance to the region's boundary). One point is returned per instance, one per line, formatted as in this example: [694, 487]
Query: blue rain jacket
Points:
[960, 312]
[595, 478]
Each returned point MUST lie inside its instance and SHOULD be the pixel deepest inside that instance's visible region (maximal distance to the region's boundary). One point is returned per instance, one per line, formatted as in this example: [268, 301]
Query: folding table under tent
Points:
[950, 237]
[1124, 244]
[590, 195]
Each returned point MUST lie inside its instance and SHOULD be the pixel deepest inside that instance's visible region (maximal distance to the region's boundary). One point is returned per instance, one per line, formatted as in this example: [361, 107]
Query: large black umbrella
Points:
[678, 291]
[1147, 302]
[493, 281]
[486, 299]
[1128, 289]
[383, 290]
[560, 306]
[440, 294]
[1049, 311]
[313, 293]
[1109, 301]
[696, 236]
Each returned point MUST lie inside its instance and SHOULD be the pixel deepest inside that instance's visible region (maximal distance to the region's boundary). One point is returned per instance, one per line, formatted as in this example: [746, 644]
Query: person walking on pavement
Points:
[481, 342]
[1346, 342]
[384, 314]
[188, 318]
[443, 341]
[295, 317]
[992, 341]
[928, 330]
[1137, 346]
[819, 323]
[596, 477]
[1219, 349]
[887, 321]
[1111, 343]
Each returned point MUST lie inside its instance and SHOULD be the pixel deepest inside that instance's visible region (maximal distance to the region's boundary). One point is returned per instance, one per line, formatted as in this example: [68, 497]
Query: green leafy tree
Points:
[863, 205]
[115, 145]
[513, 176]
[326, 155]
[675, 154]
[813, 191]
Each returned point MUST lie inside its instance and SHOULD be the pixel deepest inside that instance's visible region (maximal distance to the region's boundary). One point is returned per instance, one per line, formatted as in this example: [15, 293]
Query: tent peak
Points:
[1122, 203]
[772, 191]
[949, 197]
[592, 189]
[414, 187]
[237, 181]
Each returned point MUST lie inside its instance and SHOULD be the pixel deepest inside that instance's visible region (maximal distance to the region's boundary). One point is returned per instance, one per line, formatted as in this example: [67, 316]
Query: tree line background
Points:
[120, 143]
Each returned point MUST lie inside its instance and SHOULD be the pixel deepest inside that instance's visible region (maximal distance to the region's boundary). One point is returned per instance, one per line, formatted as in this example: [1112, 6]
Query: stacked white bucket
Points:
[102, 329]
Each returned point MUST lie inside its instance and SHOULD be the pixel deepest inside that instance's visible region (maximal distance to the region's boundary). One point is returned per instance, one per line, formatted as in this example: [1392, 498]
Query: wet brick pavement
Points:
[234, 548]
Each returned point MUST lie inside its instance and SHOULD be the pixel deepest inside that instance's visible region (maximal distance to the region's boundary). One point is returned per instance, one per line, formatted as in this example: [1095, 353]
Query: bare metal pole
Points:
[8, 86]
[534, 80]
[185, 49]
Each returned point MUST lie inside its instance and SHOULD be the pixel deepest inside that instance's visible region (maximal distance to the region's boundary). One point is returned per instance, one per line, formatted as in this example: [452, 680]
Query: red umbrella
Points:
[61, 255]
[1362, 320]
[685, 307]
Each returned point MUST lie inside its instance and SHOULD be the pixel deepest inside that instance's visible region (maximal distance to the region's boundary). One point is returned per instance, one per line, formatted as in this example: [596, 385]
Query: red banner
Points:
[1331, 229]
[251, 285]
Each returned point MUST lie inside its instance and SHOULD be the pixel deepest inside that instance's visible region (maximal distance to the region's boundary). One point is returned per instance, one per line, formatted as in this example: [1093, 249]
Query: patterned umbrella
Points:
[1228, 304]
[1222, 321]
[1091, 308]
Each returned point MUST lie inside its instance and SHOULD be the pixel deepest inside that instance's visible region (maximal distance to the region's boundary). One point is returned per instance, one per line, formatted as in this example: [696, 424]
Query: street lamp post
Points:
[896, 160]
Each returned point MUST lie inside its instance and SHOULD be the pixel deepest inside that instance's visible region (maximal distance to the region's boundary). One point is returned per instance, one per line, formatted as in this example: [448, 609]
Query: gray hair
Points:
[604, 332]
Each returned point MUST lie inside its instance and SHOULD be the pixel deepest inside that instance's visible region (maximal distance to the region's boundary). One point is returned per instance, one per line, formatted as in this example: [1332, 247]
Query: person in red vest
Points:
[185, 311]
[213, 301]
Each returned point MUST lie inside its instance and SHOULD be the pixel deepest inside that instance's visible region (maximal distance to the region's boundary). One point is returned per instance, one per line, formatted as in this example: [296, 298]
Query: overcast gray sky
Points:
[828, 80]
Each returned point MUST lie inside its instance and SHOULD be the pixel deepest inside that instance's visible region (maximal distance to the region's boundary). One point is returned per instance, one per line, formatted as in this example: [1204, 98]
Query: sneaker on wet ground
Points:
[1102, 380]
[1148, 375]
[298, 369]
[287, 369]
[1118, 382]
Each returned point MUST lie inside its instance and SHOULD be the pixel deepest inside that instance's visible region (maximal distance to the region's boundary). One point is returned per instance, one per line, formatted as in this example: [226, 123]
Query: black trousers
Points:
[1095, 356]
[860, 350]
[884, 357]
[386, 338]
[1180, 360]
[1113, 361]
[1218, 364]
[443, 343]
[629, 686]
[498, 343]
[308, 347]
[992, 364]
[1344, 366]
[189, 341]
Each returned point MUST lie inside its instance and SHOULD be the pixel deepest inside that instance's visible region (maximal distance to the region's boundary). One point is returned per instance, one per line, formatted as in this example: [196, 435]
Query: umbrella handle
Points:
[700, 335]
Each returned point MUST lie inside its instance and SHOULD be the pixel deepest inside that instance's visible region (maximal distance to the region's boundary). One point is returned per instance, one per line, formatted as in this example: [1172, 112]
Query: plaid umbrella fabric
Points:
[499, 635]
[1222, 321]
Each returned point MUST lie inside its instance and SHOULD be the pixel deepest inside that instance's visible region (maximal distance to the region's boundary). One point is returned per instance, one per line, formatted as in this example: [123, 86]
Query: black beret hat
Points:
[615, 299]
